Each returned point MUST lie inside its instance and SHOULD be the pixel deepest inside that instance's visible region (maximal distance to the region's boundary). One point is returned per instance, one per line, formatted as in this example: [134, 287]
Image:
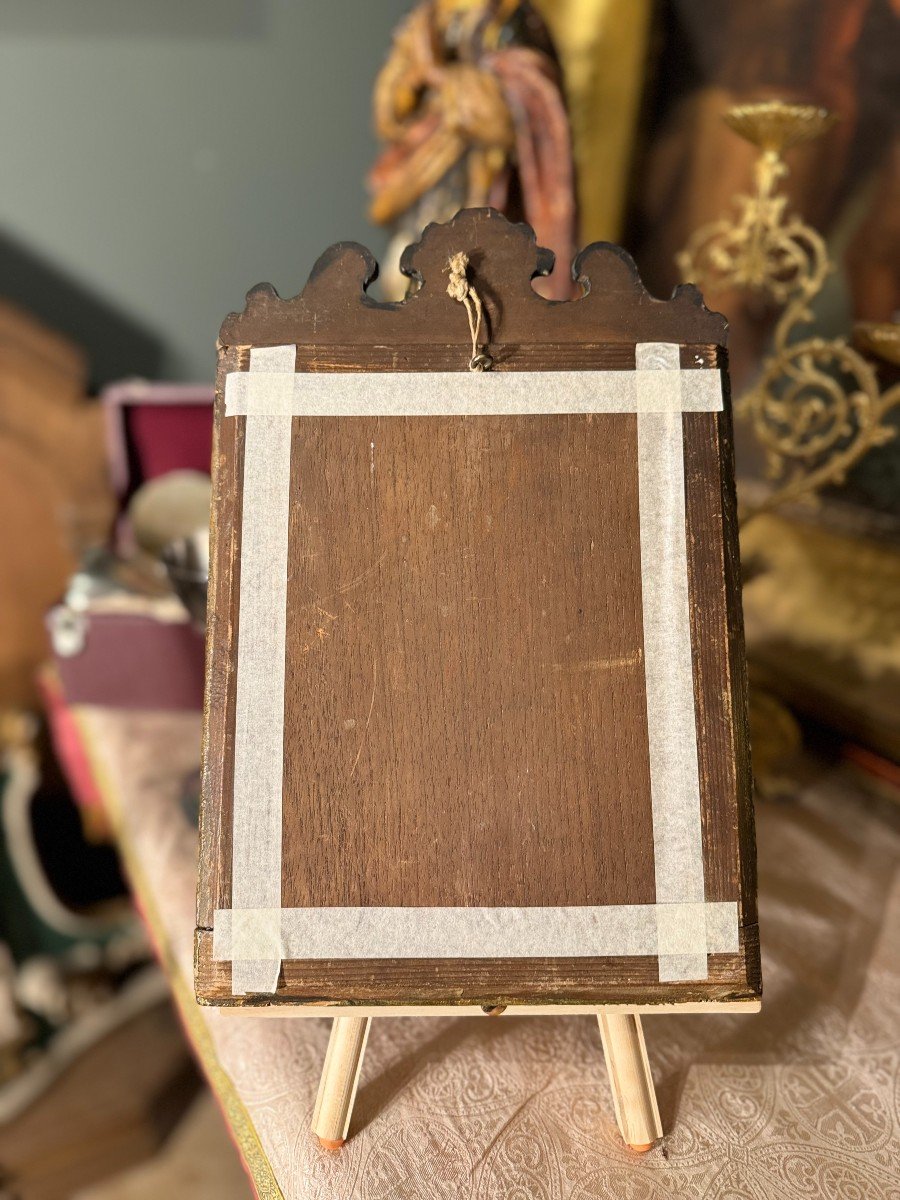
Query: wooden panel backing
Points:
[464, 695]
[478, 577]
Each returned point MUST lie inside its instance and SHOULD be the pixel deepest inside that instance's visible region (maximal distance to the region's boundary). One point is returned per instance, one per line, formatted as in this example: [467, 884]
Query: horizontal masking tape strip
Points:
[403, 933]
[468, 393]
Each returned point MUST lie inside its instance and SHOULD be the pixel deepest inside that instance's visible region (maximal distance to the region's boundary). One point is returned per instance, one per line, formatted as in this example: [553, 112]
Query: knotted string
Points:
[460, 289]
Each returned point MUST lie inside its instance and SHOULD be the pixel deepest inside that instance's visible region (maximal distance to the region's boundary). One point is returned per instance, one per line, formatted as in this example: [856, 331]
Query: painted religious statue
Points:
[470, 105]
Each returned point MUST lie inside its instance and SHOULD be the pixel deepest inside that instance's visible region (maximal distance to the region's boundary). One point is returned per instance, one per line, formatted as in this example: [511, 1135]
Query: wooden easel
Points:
[486, 592]
[634, 1096]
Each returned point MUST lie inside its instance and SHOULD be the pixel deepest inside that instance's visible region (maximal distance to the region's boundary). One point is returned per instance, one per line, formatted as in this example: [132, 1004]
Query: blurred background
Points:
[158, 160]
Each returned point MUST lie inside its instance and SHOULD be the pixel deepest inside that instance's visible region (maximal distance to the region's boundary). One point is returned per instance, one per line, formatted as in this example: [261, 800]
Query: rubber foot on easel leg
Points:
[327, 1144]
[642, 1148]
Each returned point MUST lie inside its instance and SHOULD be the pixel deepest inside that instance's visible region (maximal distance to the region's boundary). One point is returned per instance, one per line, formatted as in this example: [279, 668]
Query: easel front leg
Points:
[634, 1096]
[340, 1075]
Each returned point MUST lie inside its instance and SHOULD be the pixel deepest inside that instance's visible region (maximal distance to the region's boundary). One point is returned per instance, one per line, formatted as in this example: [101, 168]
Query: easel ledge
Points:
[315, 1009]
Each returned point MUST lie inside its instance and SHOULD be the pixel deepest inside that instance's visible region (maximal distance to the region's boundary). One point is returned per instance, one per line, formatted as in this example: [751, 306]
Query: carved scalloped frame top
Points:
[335, 308]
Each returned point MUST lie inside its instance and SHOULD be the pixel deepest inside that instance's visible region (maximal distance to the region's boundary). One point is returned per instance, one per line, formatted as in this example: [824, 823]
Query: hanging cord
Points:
[460, 289]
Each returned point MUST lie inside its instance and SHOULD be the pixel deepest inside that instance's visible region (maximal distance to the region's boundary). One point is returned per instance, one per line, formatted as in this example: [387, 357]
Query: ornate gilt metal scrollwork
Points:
[816, 406]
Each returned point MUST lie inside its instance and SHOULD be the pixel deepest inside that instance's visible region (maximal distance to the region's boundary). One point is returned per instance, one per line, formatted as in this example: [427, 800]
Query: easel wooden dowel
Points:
[340, 1078]
[634, 1096]
[630, 1081]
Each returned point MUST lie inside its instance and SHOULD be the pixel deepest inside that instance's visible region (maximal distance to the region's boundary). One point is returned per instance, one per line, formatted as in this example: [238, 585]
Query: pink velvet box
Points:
[128, 660]
[143, 654]
[152, 428]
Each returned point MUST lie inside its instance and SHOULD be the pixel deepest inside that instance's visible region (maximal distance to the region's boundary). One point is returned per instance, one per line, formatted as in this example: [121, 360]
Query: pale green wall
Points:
[165, 155]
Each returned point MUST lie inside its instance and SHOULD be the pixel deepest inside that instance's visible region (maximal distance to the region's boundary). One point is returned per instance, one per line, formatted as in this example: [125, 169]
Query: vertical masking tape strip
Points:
[671, 721]
[259, 714]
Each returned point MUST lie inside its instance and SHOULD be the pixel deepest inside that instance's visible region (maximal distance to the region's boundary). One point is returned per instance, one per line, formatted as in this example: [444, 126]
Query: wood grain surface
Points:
[465, 709]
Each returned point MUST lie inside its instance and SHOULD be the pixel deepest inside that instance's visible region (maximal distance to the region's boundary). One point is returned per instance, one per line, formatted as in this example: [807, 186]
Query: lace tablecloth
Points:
[800, 1101]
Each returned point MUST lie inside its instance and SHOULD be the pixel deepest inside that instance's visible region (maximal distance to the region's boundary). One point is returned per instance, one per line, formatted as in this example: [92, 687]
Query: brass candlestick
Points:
[816, 407]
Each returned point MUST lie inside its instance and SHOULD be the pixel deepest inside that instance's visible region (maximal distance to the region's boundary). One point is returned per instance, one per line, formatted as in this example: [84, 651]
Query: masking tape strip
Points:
[570, 932]
[259, 710]
[668, 666]
[680, 927]
[468, 393]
